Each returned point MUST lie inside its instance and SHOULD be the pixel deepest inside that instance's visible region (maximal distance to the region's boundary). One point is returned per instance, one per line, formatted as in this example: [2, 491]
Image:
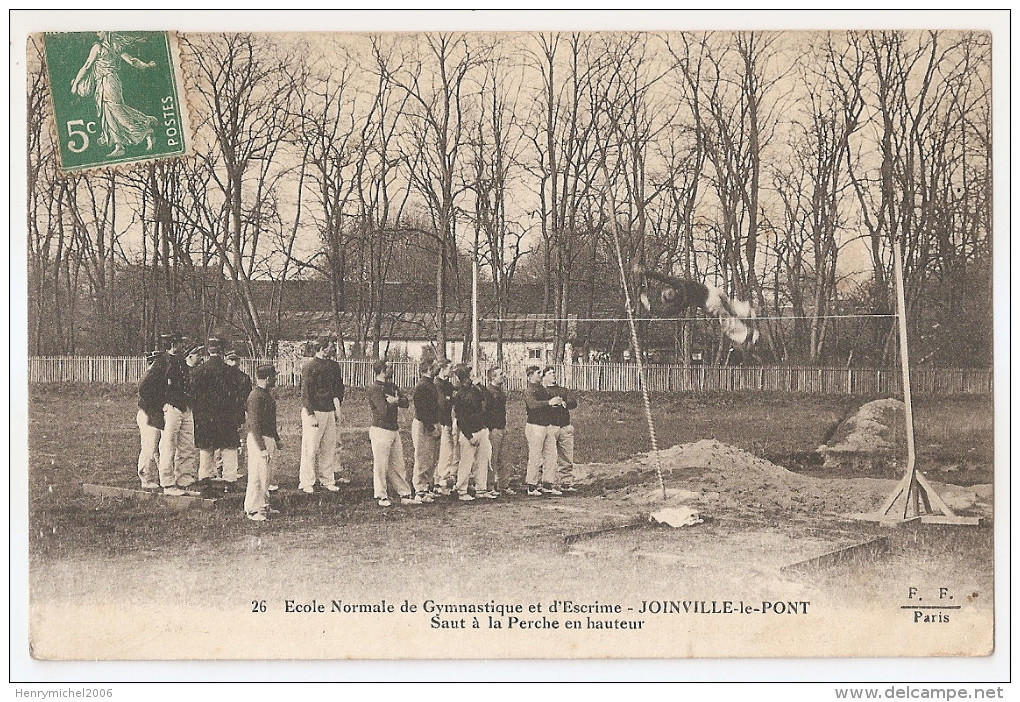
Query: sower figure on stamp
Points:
[384, 398]
[263, 443]
[541, 441]
[99, 76]
[559, 477]
[495, 420]
[469, 403]
[150, 419]
[425, 432]
[449, 446]
[319, 417]
[177, 442]
[215, 389]
[338, 392]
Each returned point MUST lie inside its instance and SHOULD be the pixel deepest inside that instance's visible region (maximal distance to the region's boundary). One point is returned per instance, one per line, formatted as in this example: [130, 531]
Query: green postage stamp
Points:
[116, 98]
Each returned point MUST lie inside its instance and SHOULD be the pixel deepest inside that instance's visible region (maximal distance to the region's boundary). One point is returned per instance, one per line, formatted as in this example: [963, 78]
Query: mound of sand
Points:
[870, 440]
[713, 475]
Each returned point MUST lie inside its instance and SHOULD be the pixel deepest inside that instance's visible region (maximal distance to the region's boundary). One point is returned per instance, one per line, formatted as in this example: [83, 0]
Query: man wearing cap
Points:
[425, 431]
[150, 419]
[387, 449]
[319, 417]
[214, 388]
[177, 442]
[263, 443]
[469, 404]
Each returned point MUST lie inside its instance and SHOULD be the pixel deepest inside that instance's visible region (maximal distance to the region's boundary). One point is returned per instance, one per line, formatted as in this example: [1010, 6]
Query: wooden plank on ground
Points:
[572, 538]
[957, 520]
[883, 519]
[179, 501]
[872, 546]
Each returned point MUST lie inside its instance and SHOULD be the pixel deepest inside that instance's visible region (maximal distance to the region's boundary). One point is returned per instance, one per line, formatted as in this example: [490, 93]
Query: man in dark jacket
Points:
[384, 398]
[339, 390]
[425, 432]
[177, 441]
[469, 404]
[495, 420]
[215, 390]
[150, 419]
[320, 413]
[449, 446]
[541, 440]
[263, 443]
[559, 478]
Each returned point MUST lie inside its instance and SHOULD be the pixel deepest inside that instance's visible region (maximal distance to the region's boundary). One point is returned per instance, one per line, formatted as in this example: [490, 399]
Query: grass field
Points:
[85, 549]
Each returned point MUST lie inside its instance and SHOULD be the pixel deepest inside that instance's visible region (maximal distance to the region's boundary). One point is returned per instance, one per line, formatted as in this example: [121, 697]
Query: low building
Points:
[526, 338]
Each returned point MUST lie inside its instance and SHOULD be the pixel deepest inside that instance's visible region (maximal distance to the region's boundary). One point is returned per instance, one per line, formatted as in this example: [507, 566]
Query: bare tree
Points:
[245, 85]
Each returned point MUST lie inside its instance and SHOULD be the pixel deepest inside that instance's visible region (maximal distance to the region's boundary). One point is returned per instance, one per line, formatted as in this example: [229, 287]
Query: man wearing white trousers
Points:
[263, 443]
[540, 436]
[177, 442]
[150, 420]
[319, 417]
[425, 432]
[384, 398]
[559, 471]
[449, 446]
[469, 402]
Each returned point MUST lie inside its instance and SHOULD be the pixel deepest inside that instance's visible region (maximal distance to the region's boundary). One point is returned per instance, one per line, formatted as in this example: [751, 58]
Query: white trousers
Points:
[564, 454]
[541, 453]
[449, 454]
[426, 452]
[318, 450]
[387, 462]
[256, 496]
[177, 448]
[148, 456]
[207, 464]
[474, 462]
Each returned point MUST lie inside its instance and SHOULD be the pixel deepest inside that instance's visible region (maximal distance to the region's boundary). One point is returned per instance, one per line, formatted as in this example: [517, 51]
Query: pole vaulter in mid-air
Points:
[679, 295]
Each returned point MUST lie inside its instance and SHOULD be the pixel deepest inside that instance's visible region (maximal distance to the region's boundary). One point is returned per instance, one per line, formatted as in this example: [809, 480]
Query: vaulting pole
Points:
[474, 307]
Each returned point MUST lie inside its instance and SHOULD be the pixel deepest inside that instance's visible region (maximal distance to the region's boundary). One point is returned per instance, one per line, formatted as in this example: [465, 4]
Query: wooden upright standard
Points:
[913, 498]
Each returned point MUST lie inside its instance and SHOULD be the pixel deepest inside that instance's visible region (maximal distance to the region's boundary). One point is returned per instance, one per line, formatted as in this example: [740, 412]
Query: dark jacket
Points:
[469, 402]
[426, 403]
[495, 413]
[445, 388]
[261, 407]
[177, 391]
[560, 416]
[536, 403]
[243, 386]
[214, 388]
[151, 395]
[384, 414]
[336, 379]
[319, 385]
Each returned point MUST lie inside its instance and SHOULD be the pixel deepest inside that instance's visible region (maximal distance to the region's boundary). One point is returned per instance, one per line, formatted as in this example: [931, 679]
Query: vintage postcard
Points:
[513, 337]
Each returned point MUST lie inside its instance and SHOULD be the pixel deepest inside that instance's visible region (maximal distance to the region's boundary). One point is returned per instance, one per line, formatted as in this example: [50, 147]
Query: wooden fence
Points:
[604, 377]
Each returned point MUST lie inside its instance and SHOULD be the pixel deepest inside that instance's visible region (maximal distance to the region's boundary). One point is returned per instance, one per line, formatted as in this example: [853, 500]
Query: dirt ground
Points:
[759, 520]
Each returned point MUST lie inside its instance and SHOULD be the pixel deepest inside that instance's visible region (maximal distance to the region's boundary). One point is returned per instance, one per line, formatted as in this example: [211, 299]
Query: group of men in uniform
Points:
[458, 433]
[192, 402]
[187, 404]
